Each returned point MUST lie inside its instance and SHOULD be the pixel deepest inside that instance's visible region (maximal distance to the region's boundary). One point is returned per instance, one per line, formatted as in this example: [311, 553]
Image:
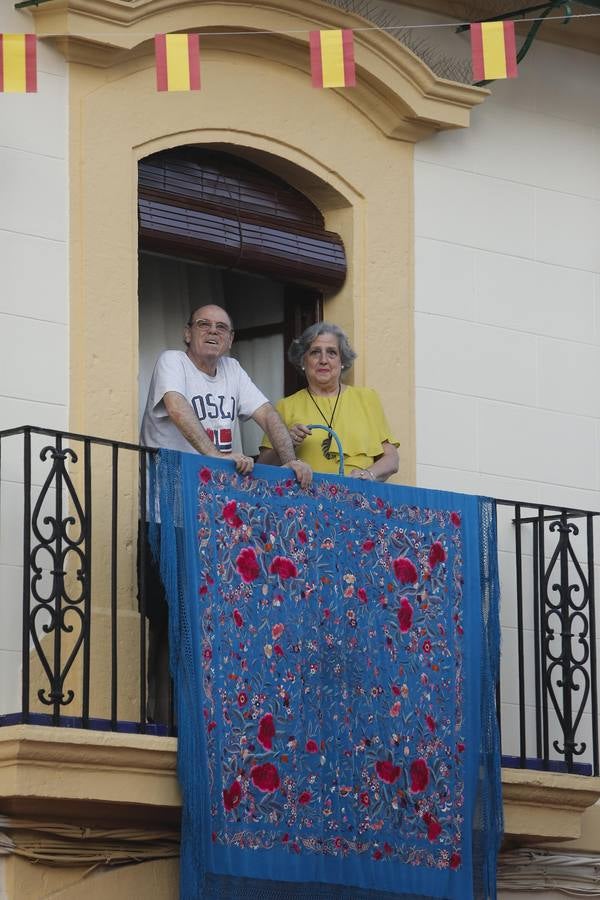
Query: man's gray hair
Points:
[300, 345]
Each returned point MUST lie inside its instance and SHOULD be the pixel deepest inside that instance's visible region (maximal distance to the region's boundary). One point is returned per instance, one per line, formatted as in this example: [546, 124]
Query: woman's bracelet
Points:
[372, 474]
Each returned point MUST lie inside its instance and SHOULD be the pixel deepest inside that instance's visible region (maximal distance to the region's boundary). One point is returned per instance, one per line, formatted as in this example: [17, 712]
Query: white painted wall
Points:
[507, 298]
[34, 358]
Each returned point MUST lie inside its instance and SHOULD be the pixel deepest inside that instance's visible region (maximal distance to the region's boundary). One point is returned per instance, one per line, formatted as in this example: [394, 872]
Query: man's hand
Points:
[302, 471]
[298, 432]
[243, 464]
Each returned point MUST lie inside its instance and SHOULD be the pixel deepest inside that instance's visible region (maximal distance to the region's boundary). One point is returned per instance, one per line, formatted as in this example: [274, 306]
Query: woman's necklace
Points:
[326, 444]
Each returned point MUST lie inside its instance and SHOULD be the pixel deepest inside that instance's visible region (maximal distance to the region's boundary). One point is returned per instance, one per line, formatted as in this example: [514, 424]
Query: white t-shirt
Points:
[217, 400]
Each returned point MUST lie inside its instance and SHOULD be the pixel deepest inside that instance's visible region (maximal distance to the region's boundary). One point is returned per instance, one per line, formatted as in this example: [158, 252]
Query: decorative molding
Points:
[395, 90]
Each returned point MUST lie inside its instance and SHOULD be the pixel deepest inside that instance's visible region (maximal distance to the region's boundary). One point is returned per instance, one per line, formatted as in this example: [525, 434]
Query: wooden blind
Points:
[214, 208]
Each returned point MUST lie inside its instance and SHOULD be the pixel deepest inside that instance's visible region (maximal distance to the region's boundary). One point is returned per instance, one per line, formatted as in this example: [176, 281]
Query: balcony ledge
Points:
[545, 806]
[124, 778]
[112, 777]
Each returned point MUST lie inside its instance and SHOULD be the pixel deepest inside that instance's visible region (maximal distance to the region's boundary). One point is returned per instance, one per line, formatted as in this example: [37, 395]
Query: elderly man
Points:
[195, 399]
[197, 395]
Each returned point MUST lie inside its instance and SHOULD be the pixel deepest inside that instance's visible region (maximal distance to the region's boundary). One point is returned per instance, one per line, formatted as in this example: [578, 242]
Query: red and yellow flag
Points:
[177, 62]
[332, 58]
[493, 50]
[18, 66]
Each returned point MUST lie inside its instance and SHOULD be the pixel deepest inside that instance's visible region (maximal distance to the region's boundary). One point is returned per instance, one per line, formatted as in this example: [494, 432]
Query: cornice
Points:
[395, 88]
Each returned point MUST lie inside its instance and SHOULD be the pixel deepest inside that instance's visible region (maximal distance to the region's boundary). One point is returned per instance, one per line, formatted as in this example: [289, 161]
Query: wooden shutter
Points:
[214, 208]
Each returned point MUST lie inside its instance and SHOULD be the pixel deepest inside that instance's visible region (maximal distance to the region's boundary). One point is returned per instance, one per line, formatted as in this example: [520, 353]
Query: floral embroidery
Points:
[333, 695]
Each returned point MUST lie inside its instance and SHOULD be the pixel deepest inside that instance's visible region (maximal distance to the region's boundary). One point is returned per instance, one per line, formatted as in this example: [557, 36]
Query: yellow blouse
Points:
[359, 422]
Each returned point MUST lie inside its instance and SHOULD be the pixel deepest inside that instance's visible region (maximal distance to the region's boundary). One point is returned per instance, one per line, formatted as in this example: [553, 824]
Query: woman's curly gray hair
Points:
[300, 346]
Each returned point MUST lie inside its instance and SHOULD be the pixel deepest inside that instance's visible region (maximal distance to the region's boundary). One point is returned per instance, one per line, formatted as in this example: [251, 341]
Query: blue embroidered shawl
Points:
[335, 654]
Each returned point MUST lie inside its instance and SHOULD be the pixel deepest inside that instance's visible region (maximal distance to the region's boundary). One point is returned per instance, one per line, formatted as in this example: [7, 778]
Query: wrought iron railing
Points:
[71, 573]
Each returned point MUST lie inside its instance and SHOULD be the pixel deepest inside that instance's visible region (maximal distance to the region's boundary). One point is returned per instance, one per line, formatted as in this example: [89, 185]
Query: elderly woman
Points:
[322, 353]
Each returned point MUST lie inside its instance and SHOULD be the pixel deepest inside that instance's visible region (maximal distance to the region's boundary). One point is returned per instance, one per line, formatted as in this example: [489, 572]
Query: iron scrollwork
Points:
[565, 612]
[61, 609]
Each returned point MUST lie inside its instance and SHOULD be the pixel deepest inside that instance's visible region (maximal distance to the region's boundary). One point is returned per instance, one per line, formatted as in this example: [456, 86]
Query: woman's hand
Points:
[298, 432]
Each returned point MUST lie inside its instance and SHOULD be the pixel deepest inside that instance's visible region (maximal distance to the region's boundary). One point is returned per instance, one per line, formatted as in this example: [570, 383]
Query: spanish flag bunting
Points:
[493, 50]
[332, 58]
[18, 65]
[177, 62]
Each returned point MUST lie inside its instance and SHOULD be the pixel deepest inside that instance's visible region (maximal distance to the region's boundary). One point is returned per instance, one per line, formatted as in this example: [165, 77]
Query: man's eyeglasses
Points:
[205, 325]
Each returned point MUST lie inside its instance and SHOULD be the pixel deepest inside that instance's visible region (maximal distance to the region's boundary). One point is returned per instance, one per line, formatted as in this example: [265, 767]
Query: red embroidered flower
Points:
[203, 590]
[242, 698]
[232, 795]
[207, 653]
[387, 771]
[265, 777]
[364, 798]
[455, 861]
[419, 776]
[266, 731]
[455, 519]
[230, 515]
[362, 595]
[247, 565]
[388, 848]
[204, 475]
[302, 537]
[311, 746]
[368, 545]
[277, 650]
[437, 554]
[430, 721]
[434, 829]
[211, 726]
[460, 747]
[396, 690]
[283, 567]
[427, 646]
[304, 797]
[405, 570]
[405, 615]
[277, 630]
[238, 618]
[377, 855]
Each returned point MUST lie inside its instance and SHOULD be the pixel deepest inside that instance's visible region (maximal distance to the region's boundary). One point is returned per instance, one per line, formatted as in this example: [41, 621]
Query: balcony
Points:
[74, 651]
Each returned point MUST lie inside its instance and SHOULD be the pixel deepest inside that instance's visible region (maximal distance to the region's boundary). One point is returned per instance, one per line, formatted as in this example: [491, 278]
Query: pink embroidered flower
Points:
[247, 565]
[388, 848]
[427, 646]
[455, 861]
[405, 615]
[434, 829]
[419, 776]
[302, 536]
[437, 554]
[368, 545]
[277, 630]
[265, 777]
[283, 567]
[405, 570]
[387, 771]
[242, 698]
[232, 796]
[455, 519]
[266, 731]
[364, 798]
[304, 797]
[430, 722]
[395, 709]
[207, 654]
[230, 515]
[204, 475]
[238, 618]
[311, 746]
